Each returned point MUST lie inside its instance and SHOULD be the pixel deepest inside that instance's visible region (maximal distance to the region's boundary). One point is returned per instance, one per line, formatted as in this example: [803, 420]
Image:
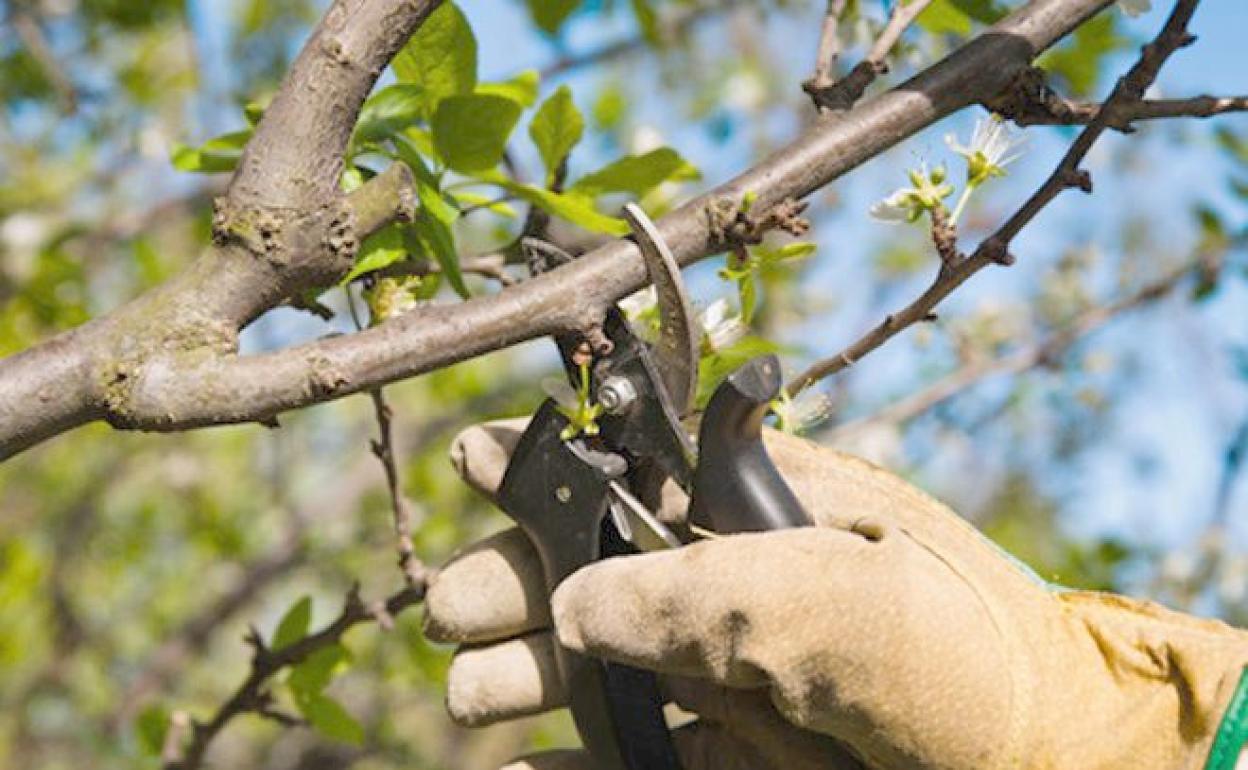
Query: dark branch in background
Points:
[1029, 101]
[253, 695]
[844, 93]
[27, 25]
[192, 637]
[995, 249]
[1047, 352]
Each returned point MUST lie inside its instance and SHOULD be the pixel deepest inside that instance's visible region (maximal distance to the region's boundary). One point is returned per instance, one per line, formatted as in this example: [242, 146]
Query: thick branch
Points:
[295, 159]
[995, 249]
[175, 394]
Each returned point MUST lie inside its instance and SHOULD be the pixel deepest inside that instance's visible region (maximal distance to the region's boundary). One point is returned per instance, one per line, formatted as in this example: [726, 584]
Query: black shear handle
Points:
[557, 492]
[736, 487]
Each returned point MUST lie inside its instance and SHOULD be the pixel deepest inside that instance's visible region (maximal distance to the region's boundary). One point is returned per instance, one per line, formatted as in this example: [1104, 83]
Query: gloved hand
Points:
[892, 636]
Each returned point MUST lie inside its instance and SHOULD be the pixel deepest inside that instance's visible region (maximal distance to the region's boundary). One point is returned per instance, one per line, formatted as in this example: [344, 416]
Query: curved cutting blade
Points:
[677, 347]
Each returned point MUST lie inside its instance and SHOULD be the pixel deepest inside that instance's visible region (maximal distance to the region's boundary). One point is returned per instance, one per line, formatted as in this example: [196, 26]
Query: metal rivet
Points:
[616, 395]
[563, 494]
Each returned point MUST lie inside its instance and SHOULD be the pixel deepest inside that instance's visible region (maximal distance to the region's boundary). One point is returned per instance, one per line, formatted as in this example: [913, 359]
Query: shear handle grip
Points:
[736, 487]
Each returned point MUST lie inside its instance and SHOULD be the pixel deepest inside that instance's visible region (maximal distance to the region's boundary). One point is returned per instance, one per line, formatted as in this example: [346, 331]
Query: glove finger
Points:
[700, 746]
[492, 590]
[511, 679]
[565, 759]
[480, 453]
[750, 716]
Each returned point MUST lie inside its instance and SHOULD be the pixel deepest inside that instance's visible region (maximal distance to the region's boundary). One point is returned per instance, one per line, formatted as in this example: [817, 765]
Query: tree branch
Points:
[1031, 102]
[842, 94]
[252, 695]
[178, 391]
[829, 51]
[995, 249]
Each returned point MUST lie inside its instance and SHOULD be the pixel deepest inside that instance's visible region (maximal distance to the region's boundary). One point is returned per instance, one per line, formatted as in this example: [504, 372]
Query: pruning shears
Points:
[589, 497]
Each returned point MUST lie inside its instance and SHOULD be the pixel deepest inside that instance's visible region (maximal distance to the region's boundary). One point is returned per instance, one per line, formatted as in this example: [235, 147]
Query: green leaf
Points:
[433, 202]
[715, 367]
[352, 179]
[329, 718]
[786, 253]
[982, 11]
[380, 250]
[435, 238]
[636, 174]
[577, 209]
[747, 292]
[609, 107]
[549, 15]
[470, 132]
[556, 129]
[294, 624]
[152, 725]
[441, 57]
[253, 110]
[647, 21]
[465, 199]
[219, 154]
[389, 111]
[1233, 143]
[313, 675]
[521, 89]
[944, 17]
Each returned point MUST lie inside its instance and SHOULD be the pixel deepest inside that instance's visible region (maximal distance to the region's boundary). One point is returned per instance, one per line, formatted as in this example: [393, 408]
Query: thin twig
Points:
[413, 570]
[995, 249]
[829, 51]
[844, 93]
[252, 695]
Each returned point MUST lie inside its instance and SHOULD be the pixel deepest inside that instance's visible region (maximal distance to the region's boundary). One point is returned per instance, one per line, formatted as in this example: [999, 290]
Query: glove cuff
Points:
[1232, 734]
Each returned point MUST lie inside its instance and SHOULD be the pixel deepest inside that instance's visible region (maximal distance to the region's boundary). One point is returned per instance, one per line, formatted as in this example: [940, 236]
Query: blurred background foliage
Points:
[1086, 408]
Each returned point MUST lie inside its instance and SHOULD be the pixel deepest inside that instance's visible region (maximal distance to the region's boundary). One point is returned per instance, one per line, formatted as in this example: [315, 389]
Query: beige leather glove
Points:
[893, 636]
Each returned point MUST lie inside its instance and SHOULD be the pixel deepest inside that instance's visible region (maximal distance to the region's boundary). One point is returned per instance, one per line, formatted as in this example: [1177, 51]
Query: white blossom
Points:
[993, 147]
[721, 327]
[927, 190]
[802, 412]
[1135, 8]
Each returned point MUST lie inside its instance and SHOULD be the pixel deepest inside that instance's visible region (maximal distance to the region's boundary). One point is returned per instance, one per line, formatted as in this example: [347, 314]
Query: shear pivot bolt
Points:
[616, 395]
